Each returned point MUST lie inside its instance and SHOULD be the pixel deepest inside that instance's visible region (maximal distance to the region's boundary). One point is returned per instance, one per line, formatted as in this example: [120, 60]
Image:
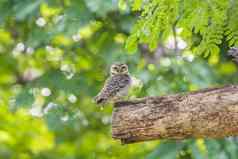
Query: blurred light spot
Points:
[79, 114]
[181, 44]
[72, 98]
[4, 136]
[20, 47]
[144, 76]
[76, 37]
[151, 67]
[179, 59]
[29, 50]
[36, 111]
[85, 122]
[184, 78]
[49, 48]
[34, 91]
[92, 6]
[227, 68]
[190, 57]
[119, 38]
[201, 145]
[136, 82]
[193, 87]
[179, 30]
[65, 118]
[214, 58]
[38, 98]
[31, 74]
[45, 92]
[49, 106]
[40, 22]
[15, 53]
[106, 120]
[58, 18]
[62, 40]
[122, 5]
[68, 70]
[5, 37]
[54, 54]
[12, 103]
[88, 30]
[159, 78]
[48, 11]
[165, 62]
[64, 67]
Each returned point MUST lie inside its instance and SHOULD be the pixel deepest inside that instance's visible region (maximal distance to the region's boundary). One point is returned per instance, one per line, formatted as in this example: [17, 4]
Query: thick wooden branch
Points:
[209, 113]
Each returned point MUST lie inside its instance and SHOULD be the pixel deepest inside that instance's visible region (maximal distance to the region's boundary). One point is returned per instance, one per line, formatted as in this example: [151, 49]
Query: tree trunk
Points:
[208, 113]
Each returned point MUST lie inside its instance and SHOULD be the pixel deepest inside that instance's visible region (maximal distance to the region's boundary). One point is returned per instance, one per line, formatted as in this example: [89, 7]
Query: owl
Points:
[116, 86]
[233, 52]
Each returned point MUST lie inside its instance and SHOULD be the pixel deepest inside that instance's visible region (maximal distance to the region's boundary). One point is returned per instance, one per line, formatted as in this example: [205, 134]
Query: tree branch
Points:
[208, 113]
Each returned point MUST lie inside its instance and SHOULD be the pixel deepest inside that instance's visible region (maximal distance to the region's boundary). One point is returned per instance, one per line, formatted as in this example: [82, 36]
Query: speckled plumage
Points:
[233, 52]
[115, 87]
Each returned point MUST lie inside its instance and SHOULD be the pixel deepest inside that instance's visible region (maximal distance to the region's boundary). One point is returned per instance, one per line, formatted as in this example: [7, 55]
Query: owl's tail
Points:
[99, 100]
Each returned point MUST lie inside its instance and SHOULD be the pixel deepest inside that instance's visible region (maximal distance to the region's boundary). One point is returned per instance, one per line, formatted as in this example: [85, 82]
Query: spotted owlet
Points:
[116, 86]
[233, 52]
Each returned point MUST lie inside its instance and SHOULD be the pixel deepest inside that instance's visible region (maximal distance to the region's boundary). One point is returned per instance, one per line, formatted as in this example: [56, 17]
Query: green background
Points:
[55, 56]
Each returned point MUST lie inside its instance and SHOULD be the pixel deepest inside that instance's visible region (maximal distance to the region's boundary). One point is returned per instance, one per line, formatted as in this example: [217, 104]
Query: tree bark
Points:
[207, 113]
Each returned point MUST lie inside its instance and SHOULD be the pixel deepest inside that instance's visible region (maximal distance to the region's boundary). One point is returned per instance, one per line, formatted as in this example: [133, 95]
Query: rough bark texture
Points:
[208, 113]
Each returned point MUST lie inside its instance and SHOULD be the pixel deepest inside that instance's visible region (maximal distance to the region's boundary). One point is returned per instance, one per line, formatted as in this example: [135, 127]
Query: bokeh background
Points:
[55, 56]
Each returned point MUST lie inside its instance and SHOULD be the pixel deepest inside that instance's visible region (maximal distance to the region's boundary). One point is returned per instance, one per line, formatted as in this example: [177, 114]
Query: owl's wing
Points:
[111, 87]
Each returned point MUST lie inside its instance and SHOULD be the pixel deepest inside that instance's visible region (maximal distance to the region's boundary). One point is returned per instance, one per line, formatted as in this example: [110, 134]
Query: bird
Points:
[116, 86]
[233, 52]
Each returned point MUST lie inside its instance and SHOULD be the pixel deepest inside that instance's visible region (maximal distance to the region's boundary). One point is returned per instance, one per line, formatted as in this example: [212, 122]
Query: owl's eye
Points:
[115, 68]
[123, 67]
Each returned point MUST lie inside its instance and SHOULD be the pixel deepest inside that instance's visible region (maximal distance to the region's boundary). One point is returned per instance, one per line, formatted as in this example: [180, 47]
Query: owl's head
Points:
[119, 69]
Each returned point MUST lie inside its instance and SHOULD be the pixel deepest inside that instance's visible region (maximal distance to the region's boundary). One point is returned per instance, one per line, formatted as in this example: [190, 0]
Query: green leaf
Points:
[24, 9]
[54, 116]
[137, 5]
[24, 99]
[131, 44]
[101, 7]
[231, 147]
[122, 5]
[195, 151]
[213, 148]
[166, 150]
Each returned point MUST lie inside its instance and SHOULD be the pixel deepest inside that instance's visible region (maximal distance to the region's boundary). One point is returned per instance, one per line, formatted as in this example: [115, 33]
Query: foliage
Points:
[205, 24]
[22, 135]
[55, 56]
